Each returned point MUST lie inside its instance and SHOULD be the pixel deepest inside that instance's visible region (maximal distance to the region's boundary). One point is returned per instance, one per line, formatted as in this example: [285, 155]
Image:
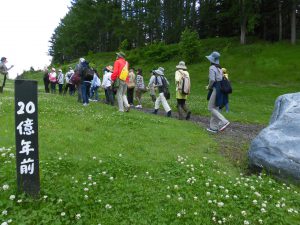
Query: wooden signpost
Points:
[26, 129]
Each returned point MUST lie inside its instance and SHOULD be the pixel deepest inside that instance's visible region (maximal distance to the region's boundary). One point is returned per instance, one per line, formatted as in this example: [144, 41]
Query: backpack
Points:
[124, 73]
[88, 74]
[164, 88]
[185, 85]
[75, 78]
[226, 86]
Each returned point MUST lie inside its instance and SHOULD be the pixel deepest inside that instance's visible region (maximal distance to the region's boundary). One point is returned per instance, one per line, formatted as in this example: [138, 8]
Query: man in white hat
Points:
[60, 81]
[162, 83]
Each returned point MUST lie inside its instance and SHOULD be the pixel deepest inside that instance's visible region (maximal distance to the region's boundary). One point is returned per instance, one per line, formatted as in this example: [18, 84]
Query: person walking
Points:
[4, 71]
[161, 83]
[95, 84]
[53, 80]
[182, 82]
[60, 81]
[130, 87]
[107, 85]
[215, 99]
[121, 72]
[226, 96]
[140, 88]
[46, 80]
[151, 86]
[69, 84]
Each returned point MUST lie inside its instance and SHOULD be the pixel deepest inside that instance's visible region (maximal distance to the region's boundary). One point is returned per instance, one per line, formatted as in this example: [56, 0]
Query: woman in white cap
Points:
[217, 121]
[182, 81]
[162, 84]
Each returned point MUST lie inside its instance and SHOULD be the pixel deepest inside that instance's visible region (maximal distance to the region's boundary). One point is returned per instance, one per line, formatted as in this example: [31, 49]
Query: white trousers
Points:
[161, 99]
[121, 94]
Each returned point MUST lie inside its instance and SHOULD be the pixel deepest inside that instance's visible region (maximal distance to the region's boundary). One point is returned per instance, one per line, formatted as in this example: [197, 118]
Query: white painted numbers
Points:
[25, 128]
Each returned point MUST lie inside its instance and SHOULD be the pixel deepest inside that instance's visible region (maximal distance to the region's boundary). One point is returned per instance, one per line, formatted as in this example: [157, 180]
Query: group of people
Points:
[123, 83]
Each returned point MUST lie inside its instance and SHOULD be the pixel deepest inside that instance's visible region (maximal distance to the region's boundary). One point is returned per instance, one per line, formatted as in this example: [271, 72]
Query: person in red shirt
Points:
[120, 73]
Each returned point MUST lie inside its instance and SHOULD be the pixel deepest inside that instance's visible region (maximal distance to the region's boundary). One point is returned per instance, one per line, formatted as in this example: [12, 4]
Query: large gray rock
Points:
[277, 147]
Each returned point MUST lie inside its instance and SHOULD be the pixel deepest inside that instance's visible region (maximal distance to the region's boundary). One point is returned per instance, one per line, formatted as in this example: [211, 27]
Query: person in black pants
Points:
[46, 80]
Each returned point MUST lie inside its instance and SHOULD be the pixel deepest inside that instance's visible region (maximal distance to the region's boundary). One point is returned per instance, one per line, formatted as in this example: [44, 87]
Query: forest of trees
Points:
[105, 25]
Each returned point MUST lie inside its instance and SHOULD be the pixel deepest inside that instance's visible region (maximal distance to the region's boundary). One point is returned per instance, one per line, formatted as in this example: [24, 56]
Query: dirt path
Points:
[233, 142]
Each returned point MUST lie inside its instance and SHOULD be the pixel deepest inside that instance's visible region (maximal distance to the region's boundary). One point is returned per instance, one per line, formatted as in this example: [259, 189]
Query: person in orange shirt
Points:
[120, 75]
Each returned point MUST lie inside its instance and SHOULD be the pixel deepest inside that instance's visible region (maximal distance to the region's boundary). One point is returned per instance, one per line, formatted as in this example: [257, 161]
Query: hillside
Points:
[99, 166]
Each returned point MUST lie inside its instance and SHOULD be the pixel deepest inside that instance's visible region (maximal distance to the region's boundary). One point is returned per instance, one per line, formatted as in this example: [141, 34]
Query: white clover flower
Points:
[9, 221]
[235, 197]
[168, 196]
[252, 188]
[4, 212]
[257, 194]
[208, 193]
[263, 210]
[176, 187]
[45, 196]
[5, 187]
[94, 183]
[59, 200]
[60, 158]
[219, 221]
[290, 210]
[283, 205]
[12, 197]
[180, 198]
[209, 201]
[94, 158]
[86, 196]
[111, 178]
[104, 172]
[295, 211]
[86, 189]
[195, 198]
[263, 205]
[207, 184]
[63, 214]
[220, 204]
[226, 196]
[108, 206]
[11, 155]
[246, 222]
[78, 216]
[224, 220]
[4, 223]
[100, 161]
[214, 219]
[278, 205]
[76, 181]
[195, 213]
[244, 213]
[226, 191]
[179, 214]
[260, 221]
[120, 155]
[254, 201]
[19, 201]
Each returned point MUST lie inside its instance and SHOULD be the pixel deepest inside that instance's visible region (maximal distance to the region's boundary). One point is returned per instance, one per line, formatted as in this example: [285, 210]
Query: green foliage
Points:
[124, 45]
[189, 46]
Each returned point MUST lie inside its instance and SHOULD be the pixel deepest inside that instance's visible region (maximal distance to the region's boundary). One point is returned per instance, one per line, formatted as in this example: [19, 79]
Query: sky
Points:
[26, 28]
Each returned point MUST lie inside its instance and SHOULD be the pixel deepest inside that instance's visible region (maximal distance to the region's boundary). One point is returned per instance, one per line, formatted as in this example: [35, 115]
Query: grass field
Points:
[99, 166]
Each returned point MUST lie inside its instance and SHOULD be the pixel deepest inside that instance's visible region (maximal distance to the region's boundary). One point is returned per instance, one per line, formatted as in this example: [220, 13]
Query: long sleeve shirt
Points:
[106, 79]
[215, 74]
[118, 66]
[60, 78]
[96, 82]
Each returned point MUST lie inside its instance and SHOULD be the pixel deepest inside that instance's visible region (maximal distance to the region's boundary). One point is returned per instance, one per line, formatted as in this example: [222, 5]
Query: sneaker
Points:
[211, 130]
[224, 127]
[188, 116]
[155, 111]
[127, 109]
[169, 113]
[85, 104]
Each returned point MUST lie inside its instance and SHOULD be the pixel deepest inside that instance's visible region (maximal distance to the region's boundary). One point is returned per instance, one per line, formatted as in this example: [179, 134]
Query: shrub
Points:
[189, 46]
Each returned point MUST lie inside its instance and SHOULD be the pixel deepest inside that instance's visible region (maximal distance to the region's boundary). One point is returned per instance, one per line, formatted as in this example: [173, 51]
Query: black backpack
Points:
[226, 86]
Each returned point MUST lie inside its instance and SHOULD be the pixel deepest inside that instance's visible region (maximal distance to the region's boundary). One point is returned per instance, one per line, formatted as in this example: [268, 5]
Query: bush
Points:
[189, 46]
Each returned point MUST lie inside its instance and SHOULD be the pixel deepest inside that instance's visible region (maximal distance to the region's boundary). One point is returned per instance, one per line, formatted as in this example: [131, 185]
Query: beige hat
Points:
[181, 65]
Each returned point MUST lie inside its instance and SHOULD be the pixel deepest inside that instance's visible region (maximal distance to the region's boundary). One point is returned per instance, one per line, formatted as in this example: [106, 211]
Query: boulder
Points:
[277, 147]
